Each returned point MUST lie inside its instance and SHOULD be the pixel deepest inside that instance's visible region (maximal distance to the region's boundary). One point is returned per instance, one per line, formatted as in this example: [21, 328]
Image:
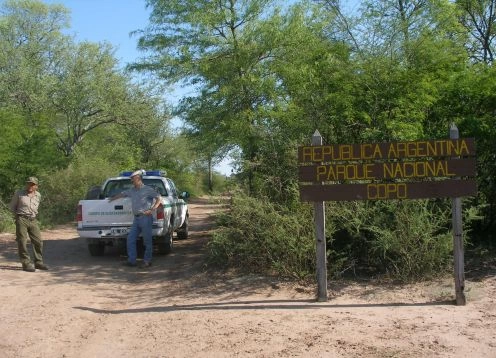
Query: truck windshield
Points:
[114, 187]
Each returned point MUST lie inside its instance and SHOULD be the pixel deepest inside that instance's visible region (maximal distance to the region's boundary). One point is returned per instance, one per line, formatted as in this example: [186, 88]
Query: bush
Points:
[6, 220]
[258, 237]
[406, 240]
[61, 190]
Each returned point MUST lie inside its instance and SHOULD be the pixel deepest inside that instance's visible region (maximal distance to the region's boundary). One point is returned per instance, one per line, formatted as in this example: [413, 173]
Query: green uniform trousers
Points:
[29, 229]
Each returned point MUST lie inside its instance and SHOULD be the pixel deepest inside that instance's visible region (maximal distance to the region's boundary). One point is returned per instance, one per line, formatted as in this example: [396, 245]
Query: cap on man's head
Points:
[33, 180]
[137, 172]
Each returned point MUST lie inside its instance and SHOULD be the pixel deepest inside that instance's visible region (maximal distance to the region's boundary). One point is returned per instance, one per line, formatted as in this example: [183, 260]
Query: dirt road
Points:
[94, 307]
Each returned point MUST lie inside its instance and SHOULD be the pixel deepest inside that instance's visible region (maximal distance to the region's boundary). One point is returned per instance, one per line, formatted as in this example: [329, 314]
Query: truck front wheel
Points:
[165, 244]
[182, 232]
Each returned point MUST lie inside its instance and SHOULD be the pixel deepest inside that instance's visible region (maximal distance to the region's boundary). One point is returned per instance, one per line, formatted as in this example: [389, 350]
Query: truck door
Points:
[178, 208]
[169, 198]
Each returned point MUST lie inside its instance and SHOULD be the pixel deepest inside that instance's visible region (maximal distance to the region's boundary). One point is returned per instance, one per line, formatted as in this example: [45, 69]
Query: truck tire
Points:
[183, 231]
[165, 244]
[96, 249]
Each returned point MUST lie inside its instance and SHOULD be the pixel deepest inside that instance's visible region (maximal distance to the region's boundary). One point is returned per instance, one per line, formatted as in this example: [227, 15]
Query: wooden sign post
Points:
[383, 171]
[321, 251]
[458, 252]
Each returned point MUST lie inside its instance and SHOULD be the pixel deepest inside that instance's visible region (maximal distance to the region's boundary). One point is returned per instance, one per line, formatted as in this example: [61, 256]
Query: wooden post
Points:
[456, 213]
[319, 217]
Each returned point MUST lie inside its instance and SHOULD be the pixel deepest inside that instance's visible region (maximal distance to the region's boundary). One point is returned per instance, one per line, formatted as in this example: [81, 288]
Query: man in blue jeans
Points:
[144, 201]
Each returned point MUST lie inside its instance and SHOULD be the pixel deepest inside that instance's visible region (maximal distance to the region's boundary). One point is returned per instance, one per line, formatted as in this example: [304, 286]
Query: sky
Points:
[107, 20]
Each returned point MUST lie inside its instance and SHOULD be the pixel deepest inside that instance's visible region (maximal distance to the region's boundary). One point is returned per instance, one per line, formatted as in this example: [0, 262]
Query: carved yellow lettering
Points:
[326, 153]
[463, 148]
[392, 153]
[401, 149]
[340, 172]
[366, 151]
[331, 176]
[345, 152]
[429, 169]
[388, 170]
[377, 152]
[398, 171]
[369, 171]
[421, 148]
[307, 154]
[411, 149]
[321, 172]
[409, 170]
[387, 191]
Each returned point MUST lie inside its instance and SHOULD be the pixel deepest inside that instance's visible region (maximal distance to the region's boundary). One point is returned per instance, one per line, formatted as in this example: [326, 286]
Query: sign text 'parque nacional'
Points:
[381, 171]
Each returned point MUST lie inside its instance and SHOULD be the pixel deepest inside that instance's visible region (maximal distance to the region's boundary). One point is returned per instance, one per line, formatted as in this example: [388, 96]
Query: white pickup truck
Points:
[105, 223]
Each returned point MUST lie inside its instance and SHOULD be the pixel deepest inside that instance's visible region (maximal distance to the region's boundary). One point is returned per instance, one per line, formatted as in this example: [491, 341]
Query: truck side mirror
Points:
[184, 195]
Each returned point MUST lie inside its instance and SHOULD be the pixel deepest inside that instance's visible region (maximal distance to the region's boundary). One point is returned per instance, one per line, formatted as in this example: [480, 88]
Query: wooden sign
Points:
[383, 171]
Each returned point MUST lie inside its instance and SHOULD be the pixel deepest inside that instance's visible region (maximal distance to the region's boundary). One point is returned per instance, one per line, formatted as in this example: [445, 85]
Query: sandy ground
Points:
[94, 307]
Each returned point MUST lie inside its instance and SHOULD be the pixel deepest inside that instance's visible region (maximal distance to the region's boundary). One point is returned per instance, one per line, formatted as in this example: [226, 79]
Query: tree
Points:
[54, 92]
[214, 46]
[31, 42]
[479, 18]
[87, 92]
[408, 53]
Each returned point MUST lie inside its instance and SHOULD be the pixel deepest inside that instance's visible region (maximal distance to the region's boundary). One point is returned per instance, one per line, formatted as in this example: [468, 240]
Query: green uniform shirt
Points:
[25, 205]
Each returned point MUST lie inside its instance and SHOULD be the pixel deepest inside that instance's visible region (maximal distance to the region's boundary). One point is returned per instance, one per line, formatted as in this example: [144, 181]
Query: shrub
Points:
[6, 221]
[407, 240]
[259, 237]
[63, 189]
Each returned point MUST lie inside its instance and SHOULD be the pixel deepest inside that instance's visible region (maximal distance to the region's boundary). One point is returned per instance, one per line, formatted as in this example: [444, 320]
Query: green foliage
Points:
[31, 41]
[407, 240]
[404, 240]
[259, 237]
[478, 17]
[29, 147]
[6, 219]
[216, 185]
[61, 190]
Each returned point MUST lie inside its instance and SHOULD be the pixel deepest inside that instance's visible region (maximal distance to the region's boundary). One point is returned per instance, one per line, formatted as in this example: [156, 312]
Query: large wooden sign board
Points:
[385, 171]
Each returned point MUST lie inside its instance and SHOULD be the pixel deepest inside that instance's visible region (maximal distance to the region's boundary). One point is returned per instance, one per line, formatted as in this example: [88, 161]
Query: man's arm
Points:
[156, 203]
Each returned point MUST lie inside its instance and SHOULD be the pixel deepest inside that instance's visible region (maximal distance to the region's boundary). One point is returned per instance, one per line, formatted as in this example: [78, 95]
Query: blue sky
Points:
[107, 20]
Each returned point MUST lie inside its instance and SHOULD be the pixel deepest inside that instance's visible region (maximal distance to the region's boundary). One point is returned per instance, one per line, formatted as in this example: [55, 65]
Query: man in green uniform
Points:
[24, 205]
